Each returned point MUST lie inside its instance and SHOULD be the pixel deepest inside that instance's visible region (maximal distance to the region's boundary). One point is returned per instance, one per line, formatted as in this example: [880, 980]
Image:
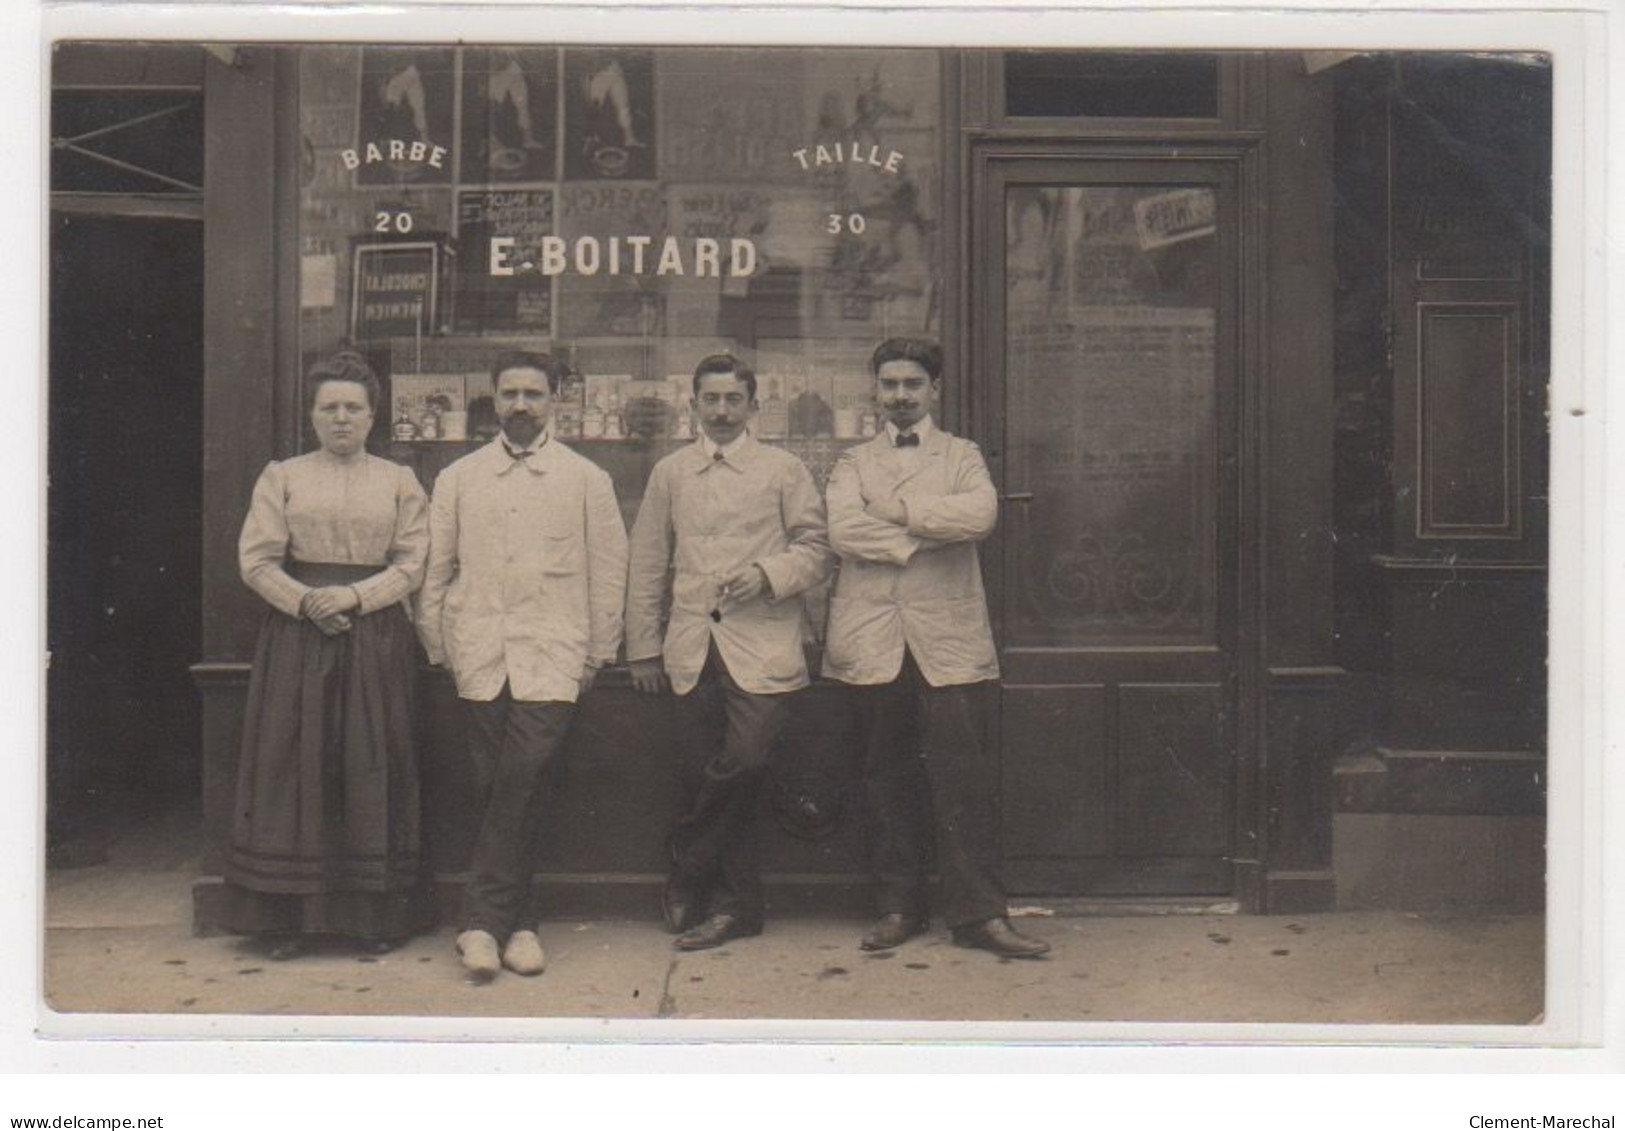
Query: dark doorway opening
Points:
[125, 528]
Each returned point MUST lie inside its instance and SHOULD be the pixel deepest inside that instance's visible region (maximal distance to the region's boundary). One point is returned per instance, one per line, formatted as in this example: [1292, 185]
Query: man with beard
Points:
[744, 526]
[909, 629]
[522, 601]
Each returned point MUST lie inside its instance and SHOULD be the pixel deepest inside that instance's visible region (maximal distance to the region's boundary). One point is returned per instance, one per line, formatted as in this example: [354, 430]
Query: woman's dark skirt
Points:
[325, 834]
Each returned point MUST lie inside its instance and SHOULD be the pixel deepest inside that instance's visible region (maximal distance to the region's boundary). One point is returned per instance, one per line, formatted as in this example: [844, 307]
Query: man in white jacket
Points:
[744, 526]
[909, 628]
[522, 601]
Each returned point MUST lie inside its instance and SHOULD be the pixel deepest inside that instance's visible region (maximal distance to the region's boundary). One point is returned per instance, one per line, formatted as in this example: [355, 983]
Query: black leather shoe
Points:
[999, 937]
[680, 906]
[717, 930]
[892, 929]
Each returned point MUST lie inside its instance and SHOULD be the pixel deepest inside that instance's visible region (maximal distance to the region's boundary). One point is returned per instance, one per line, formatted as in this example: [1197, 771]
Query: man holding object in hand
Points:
[744, 525]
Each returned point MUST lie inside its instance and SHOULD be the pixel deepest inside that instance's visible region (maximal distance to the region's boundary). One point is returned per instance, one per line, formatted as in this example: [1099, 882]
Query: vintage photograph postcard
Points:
[1051, 534]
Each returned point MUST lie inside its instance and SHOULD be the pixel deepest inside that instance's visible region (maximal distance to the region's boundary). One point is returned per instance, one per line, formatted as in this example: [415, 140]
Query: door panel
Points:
[1109, 333]
[1173, 781]
[1057, 805]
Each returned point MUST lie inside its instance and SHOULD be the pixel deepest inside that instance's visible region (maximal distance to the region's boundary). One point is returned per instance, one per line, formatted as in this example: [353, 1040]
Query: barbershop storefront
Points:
[1253, 343]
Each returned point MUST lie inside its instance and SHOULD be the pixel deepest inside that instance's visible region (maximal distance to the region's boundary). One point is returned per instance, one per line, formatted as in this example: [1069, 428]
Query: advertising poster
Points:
[609, 115]
[510, 115]
[750, 124]
[503, 303]
[428, 407]
[613, 288]
[404, 116]
[396, 286]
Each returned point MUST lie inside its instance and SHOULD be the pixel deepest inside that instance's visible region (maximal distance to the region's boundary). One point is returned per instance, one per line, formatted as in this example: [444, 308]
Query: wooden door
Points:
[1109, 341]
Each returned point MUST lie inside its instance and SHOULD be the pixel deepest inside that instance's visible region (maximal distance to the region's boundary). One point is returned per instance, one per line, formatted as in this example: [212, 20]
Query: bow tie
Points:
[907, 440]
[717, 456]
[521, 456]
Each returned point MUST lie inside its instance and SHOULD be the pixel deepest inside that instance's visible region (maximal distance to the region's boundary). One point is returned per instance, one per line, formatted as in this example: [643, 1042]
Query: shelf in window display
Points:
[471, 443]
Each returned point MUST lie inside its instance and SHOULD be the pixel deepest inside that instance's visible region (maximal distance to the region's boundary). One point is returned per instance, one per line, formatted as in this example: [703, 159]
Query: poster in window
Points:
[744, 130]
[404, 117]
[510, 115]
[500, 285]
[609, 117]
[428, 407]
[395, 290]
[615, 282]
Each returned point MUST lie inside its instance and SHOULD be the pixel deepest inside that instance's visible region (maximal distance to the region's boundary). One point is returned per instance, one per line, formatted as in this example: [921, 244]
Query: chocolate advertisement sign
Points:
[396, 288]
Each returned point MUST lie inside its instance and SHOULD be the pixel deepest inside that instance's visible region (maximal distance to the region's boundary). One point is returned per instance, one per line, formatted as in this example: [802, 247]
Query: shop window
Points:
[629, 211]
[1100, 84]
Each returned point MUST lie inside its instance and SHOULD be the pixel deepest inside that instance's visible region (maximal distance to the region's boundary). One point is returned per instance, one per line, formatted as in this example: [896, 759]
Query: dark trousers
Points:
[925, 774]
[725, 734]
[510, 743]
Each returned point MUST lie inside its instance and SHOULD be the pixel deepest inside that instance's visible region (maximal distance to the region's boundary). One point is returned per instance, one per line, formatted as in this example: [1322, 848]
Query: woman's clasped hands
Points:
[329, 608]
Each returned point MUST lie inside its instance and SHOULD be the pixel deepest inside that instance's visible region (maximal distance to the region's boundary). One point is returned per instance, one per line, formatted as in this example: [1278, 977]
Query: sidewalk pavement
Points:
[118, 940]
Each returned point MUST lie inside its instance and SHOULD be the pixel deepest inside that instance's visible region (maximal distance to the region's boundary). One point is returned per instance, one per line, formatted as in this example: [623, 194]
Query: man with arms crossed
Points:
[745, 527]
[909, 628]
[522, 600]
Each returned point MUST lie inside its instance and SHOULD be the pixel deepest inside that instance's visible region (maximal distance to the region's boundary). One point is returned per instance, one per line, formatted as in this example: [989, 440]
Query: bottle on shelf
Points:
[592, 420]
[429, 424]
[773, 421]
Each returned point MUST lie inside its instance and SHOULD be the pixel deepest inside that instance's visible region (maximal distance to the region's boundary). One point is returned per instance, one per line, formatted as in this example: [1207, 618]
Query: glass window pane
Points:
[1098, 84]
[1111, 358]
[127, 142]
[630, 210]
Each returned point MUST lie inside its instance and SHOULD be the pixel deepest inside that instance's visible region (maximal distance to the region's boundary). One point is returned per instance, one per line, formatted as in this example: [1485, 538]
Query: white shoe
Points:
[479, 951]
[524, 954]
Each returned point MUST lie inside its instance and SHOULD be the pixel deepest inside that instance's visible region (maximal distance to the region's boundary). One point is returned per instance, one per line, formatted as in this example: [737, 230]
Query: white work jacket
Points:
[527, 572]
[708, 518]
[918, 586]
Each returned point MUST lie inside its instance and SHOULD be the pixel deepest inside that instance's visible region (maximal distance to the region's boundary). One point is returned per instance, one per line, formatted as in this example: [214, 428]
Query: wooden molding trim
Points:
[1430, 569]
[1309, 678]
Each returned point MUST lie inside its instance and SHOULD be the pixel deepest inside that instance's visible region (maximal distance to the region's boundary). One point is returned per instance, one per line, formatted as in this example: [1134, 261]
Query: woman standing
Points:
[325, 835]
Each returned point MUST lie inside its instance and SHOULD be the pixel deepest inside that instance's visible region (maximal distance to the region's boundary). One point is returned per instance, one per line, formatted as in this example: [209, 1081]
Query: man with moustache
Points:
[909, 629]
[522, 601]
[744, 526]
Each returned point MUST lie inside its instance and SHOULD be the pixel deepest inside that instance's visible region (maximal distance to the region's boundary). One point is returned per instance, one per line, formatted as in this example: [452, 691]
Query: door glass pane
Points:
[1111, 356]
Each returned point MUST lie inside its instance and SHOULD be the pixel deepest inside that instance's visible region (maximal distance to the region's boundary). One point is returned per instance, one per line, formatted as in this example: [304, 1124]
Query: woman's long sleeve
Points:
[408, 549]
[262, 548]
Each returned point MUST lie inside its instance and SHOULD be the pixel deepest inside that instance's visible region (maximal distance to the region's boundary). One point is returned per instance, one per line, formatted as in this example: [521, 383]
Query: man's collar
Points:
[729, 450]
[513, 449]
[529, 457]
[923, 429]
